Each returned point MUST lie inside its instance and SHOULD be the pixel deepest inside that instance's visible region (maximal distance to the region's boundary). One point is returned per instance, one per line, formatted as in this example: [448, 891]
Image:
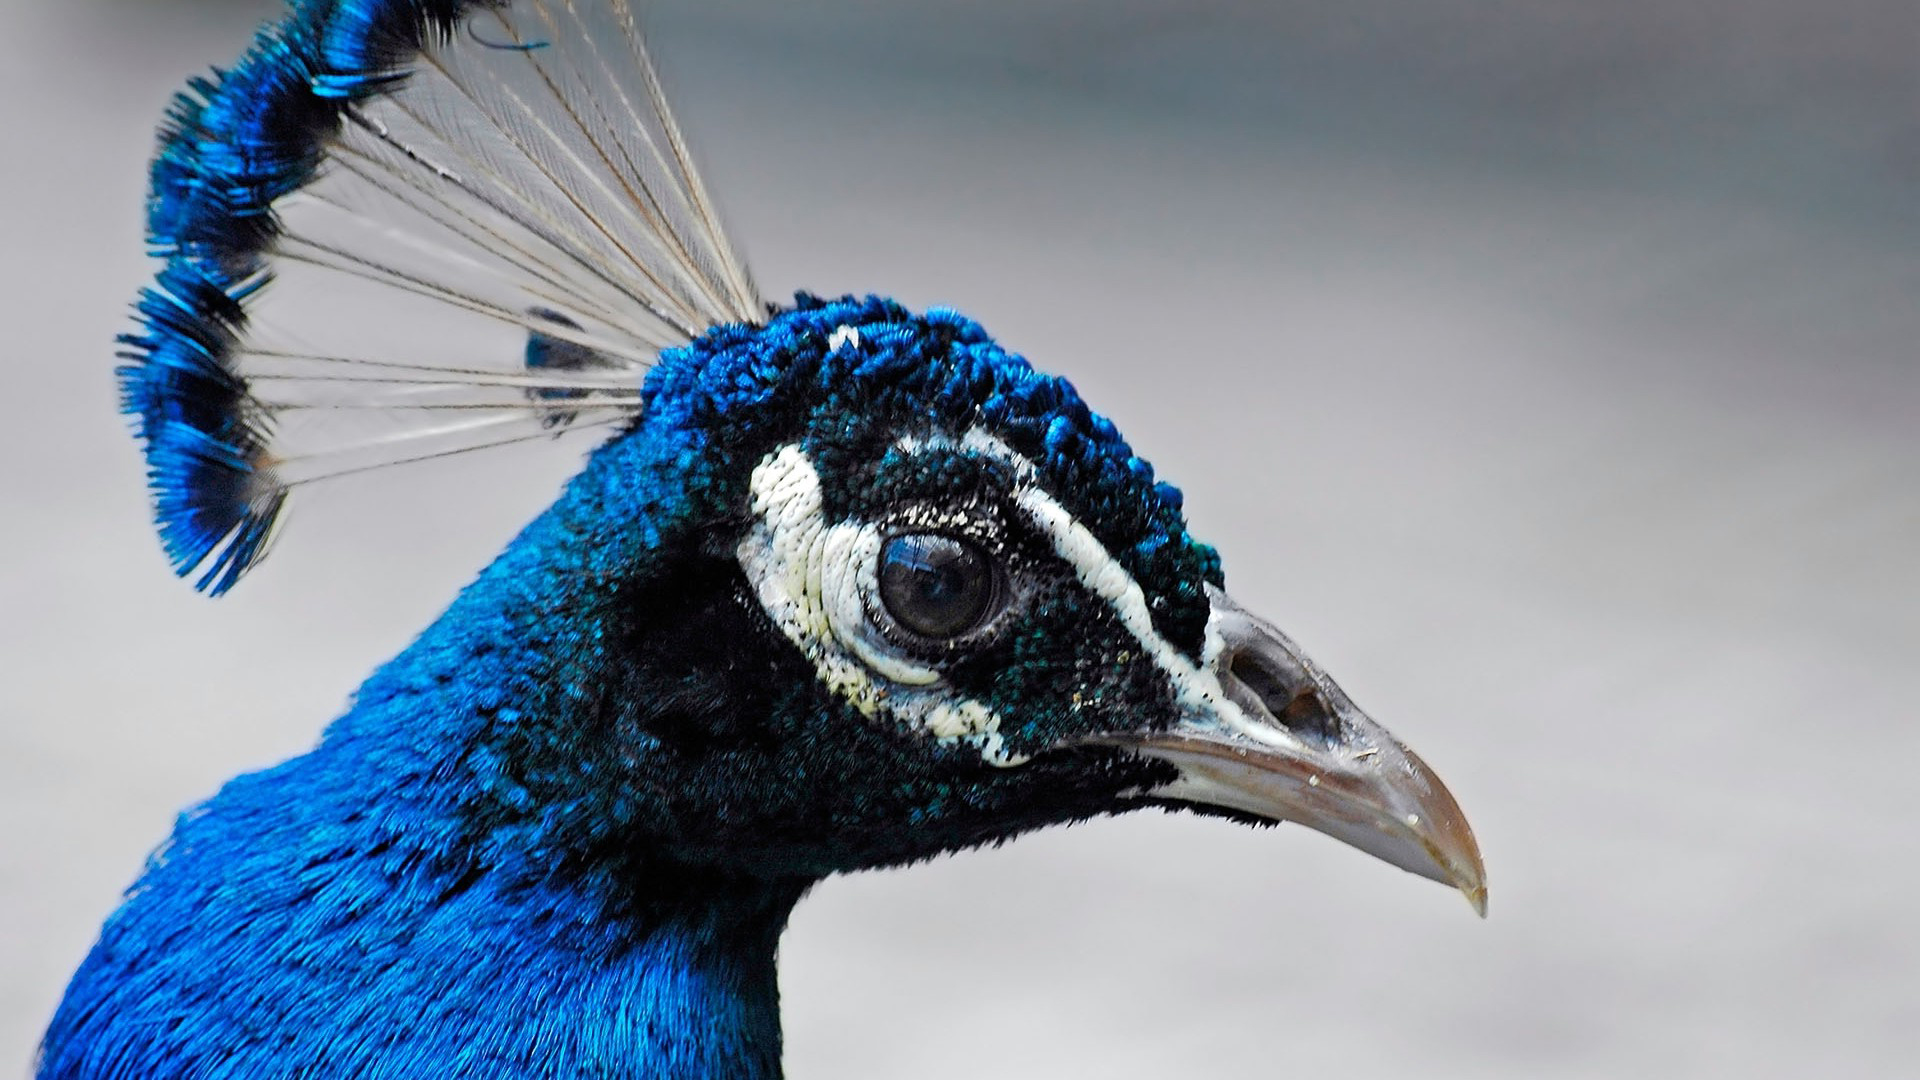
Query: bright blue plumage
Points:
[397, 898]
[230, 148]
[560, 834]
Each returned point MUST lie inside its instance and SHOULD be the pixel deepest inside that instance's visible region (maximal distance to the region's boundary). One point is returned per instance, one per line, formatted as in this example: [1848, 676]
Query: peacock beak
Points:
[1291, 746]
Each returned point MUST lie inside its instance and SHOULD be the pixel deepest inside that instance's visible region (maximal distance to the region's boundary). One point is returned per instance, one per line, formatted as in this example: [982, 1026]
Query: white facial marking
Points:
[842, 336]
[1196, 686]
[816, 581]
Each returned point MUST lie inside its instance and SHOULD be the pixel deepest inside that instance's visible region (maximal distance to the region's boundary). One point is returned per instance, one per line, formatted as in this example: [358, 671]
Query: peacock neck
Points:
[307, 922]
[669, 979]
[521, 738]
[474, 873]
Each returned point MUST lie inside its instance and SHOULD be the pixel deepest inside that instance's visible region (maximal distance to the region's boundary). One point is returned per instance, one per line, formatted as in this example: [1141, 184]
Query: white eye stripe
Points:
[849, 578]
[1196, 686]
[814, 580]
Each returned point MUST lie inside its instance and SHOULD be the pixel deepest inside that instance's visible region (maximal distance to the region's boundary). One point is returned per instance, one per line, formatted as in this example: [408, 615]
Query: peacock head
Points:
[901, 594]
[853, 586]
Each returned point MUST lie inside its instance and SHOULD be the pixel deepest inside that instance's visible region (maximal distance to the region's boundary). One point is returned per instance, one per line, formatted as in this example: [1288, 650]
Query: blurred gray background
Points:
[1551, 369]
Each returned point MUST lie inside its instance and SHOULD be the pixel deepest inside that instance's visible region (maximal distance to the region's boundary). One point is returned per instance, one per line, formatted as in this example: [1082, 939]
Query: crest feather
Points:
[402, 229]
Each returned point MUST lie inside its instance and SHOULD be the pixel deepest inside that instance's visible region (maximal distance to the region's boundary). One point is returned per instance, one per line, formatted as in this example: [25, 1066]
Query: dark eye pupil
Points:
[935, 586]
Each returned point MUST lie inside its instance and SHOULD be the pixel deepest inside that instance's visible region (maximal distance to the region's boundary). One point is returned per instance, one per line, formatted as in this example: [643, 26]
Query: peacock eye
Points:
[937, 586]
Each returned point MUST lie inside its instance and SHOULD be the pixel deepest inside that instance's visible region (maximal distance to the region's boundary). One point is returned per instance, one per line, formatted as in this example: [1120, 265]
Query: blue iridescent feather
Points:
[230, 147]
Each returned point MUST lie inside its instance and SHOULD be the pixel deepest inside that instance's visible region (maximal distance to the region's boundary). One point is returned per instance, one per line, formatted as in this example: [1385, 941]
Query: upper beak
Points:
[1288, 745]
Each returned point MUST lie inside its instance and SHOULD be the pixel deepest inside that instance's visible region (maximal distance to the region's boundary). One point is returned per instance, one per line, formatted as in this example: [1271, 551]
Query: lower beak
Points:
[1288, 745]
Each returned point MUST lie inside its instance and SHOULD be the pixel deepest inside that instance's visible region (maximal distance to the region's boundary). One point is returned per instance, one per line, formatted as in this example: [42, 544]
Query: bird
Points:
[840, 585]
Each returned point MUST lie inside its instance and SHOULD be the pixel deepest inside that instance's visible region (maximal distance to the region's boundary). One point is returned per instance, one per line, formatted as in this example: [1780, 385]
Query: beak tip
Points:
[1464, 870]
[1459, 868]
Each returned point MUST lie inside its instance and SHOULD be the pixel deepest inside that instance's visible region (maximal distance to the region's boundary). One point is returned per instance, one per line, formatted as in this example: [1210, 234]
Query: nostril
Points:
[1294, 703]
[1307, 716]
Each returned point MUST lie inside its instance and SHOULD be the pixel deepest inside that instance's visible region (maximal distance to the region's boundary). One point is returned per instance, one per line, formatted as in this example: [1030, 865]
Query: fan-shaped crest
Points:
[401, 229]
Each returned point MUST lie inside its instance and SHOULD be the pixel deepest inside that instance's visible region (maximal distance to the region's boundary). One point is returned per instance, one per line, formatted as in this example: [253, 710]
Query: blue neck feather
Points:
[409, 898]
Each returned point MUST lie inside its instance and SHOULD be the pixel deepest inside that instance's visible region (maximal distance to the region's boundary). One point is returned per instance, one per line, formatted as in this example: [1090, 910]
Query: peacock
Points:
[843, 585]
